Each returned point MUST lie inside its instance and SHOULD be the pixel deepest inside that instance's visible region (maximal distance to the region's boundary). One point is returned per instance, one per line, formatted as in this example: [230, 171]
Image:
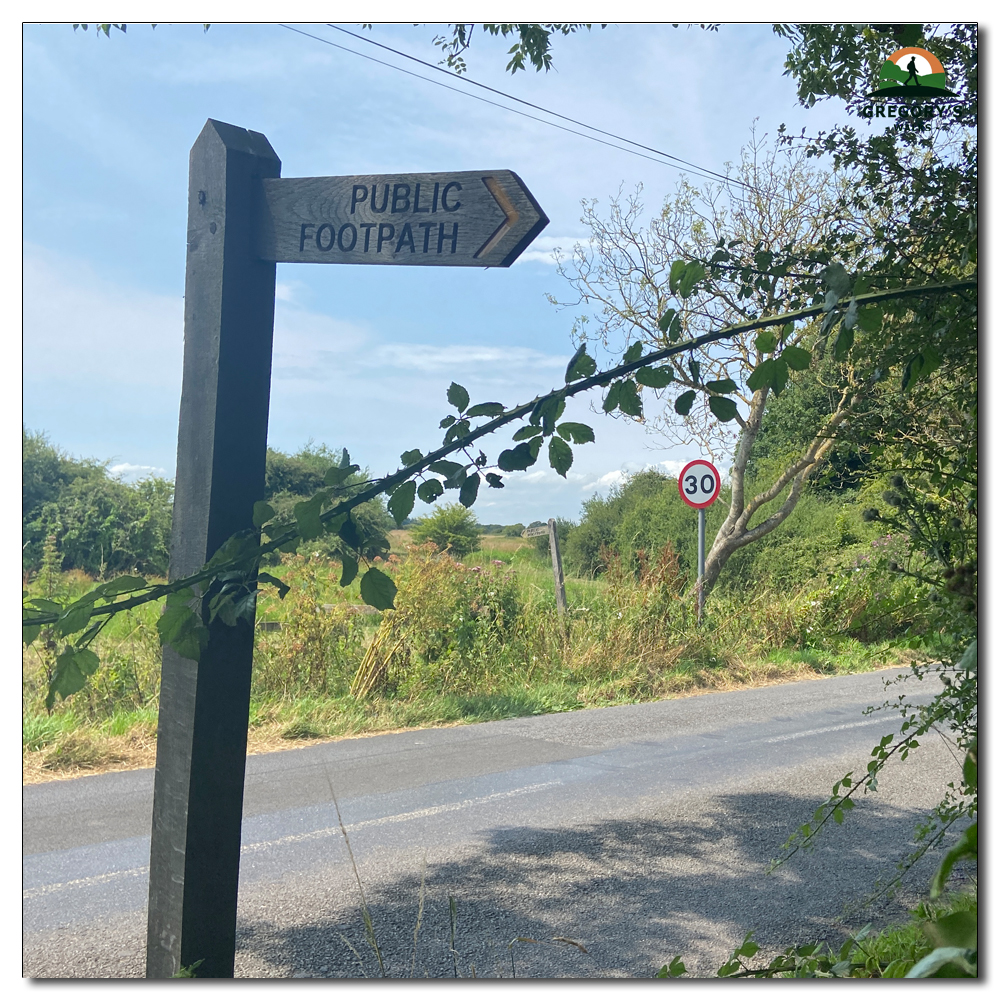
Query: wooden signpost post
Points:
[699, 484]
[557, 570]
[242, 218]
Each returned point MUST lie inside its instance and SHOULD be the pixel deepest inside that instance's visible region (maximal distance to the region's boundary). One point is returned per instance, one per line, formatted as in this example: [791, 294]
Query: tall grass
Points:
[470, 641]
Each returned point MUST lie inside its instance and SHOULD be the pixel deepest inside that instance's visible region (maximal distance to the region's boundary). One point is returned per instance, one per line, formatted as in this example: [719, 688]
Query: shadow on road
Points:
[632, 893]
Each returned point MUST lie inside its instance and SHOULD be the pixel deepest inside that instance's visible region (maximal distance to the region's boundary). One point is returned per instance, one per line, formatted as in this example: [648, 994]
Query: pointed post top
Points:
[240, 140]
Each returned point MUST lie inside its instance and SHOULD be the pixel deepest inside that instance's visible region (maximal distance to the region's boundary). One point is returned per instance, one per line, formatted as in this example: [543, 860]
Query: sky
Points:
[363, 356]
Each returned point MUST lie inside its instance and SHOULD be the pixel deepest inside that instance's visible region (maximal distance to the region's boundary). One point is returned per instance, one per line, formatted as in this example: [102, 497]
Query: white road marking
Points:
[825, 729]
[296, 838]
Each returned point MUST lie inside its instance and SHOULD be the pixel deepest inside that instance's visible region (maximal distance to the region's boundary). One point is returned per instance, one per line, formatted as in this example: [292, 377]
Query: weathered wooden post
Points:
[222, 443]
[557, 570]
[243, 218]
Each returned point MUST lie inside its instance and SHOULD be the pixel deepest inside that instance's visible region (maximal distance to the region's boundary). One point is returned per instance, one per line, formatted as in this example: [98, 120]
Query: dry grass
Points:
[82, 753]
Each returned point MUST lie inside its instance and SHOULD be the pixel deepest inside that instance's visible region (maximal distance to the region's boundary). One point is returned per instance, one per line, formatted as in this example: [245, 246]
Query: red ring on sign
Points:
[718, 484]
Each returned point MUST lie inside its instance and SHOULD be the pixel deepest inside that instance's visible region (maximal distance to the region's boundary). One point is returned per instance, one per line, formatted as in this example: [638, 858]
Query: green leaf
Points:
[73, 667]
[338, 475]
[494, 481]
[526, 432]
[486, 410]
[763, 259]
[967, 847]
[470, 489]
[721, 385]
[74, 619]
[458, 397]
[674, 970]
[666, 319]
[42, 604]
[611, 399]
[870, 319]
[766, 342]
[581, 365]
[447, 421]
[797, 358]
[723, 407]
[401, 502]
[349, 569]
[457, 430]
[954, 930]
[772, 372]
[560, 455]
[283, 587]
[693, 273]
[445, 468]
[350, 534]
[377, 589]
[307, 514]
[430, 490]
[577, 433]
[677, 269]
[629, 400]
[836, 278]
[694, 367]
[183, 630]
[122, 585]
[684, 402]
[940, 957]
[262, 513]
[411, 457]
[221, 606]
[655, 378]
[549, 411]
[633, 353]
[843, 344]
[519, 458]
[851, 316]
[29, 633]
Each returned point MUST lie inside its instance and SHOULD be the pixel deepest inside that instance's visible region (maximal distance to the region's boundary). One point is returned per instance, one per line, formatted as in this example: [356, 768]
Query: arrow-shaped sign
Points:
[482, 218]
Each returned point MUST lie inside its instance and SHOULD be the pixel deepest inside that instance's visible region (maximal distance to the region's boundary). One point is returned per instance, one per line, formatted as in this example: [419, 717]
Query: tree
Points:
[452, 528]
[292, 479]
[712, 257]
[98, 524]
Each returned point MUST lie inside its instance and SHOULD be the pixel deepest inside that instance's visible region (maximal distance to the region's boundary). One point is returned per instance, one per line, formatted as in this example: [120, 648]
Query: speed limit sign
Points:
[699, 483]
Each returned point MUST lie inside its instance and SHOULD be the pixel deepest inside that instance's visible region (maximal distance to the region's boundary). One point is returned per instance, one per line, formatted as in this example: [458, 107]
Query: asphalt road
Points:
[640, 832]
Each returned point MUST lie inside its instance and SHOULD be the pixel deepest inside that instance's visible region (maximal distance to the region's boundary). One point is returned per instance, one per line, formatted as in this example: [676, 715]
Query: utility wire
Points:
[538, 107]
[704, 175]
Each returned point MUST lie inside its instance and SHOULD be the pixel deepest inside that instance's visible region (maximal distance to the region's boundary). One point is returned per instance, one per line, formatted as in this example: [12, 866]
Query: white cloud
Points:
[78, 325]
[548, 249]
[127, 472]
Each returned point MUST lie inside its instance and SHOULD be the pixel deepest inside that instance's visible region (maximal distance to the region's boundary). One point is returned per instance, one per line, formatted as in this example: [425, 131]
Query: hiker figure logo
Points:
[911, 73]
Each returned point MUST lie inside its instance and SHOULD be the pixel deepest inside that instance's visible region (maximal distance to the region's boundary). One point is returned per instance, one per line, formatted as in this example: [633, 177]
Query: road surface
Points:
[639, 832]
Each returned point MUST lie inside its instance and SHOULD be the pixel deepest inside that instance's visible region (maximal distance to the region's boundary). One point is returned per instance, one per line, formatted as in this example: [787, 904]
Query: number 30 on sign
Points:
[699, 483]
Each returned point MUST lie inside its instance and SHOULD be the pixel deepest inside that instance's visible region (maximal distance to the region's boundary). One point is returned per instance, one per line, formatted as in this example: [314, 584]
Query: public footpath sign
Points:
[243, 218]
[482, 218]
[699, 483]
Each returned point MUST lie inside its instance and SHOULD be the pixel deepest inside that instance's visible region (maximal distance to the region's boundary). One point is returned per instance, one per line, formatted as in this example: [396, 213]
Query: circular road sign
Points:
[699, 483]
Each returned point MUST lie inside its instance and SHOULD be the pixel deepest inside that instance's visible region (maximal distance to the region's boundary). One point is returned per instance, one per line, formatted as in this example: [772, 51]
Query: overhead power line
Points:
[704, 172]
[537, 107]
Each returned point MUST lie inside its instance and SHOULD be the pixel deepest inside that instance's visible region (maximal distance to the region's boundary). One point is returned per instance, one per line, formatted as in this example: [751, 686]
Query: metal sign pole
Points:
[701, 561]
[222, 443]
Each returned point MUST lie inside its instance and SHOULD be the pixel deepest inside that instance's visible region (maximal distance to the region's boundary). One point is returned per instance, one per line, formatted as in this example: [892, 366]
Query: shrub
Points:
[452, 528]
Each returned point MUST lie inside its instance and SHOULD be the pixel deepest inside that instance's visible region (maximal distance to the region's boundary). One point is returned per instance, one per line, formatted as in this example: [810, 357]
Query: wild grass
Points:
[469, 641]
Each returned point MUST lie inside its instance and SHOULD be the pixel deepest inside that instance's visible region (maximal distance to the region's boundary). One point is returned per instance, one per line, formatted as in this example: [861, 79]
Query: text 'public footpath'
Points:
[431, 237]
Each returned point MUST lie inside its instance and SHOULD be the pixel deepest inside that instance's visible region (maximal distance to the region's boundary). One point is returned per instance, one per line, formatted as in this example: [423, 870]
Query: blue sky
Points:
[363, 355]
